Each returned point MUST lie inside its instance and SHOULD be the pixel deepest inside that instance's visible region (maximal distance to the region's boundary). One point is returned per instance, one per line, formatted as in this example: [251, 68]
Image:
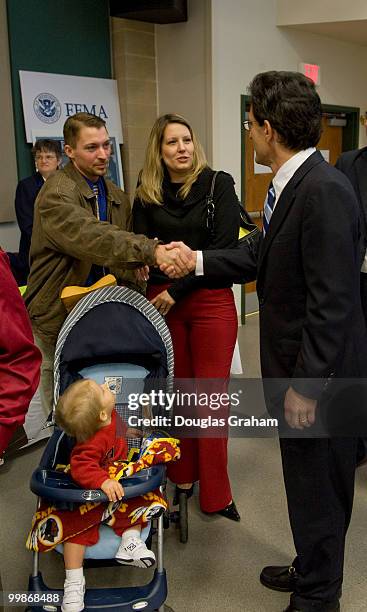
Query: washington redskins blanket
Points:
[52, 526]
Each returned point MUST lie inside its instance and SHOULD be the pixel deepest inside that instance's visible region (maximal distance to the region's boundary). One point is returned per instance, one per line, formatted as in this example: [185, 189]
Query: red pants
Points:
[203, 327]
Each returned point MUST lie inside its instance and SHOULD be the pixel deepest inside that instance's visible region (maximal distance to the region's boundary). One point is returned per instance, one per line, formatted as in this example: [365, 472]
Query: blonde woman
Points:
[171, 204]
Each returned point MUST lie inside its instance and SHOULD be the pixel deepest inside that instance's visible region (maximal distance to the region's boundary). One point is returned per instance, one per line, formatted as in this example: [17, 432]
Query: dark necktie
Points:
[95, 191]
[268, 207]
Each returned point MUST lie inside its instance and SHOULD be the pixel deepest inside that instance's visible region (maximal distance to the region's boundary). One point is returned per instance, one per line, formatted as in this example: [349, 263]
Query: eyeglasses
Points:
[248, 124]
[45, 157]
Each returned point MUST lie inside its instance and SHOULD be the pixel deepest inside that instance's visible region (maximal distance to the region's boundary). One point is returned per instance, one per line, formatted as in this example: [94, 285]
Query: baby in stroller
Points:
[132, 352]
[86, 411]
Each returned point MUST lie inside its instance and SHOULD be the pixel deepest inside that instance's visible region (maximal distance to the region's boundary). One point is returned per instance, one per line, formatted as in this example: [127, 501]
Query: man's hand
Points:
[176, 257]
[186, 254]
[163, 302]
[299, 411]
[113, 489]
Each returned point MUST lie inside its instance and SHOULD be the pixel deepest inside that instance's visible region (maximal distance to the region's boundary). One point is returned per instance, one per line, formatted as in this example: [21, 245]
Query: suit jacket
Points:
[25, 196]
[354, 165]
[307, 269]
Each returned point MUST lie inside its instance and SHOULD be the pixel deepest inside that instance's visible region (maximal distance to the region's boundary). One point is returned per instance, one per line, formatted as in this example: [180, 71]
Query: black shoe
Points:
[230, 512]
[178, 490]
[333, 607]
[279, 578]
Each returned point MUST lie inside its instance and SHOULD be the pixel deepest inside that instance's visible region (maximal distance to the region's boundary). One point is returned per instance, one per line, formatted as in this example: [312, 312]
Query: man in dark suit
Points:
[354, 165]
[312, 331]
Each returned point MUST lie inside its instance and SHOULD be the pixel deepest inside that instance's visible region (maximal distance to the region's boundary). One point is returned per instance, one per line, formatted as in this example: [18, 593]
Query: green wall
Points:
[63, 36]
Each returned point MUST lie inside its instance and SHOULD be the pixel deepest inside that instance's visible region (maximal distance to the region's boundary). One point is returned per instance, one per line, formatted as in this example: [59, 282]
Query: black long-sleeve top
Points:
[186, 220]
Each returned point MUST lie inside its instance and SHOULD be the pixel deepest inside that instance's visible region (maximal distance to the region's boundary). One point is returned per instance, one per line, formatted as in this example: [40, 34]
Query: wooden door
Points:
[257, 181]
[331, 141]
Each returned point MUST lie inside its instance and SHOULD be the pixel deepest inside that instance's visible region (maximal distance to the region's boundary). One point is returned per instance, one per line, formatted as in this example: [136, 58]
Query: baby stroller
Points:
[114, 335]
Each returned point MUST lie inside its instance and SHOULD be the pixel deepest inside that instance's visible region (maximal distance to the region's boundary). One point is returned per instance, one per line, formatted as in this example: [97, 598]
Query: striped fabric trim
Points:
[124, 296]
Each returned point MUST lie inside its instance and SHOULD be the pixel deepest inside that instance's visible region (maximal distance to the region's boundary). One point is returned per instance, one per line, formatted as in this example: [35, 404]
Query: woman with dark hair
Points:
[47, 157]
[171, 204]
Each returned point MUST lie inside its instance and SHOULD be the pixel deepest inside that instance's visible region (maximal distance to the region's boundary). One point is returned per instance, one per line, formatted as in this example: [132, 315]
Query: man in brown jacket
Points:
[82, 224]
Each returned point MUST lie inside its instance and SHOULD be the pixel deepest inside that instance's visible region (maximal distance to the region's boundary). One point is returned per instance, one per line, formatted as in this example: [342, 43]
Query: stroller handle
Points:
[59, 487]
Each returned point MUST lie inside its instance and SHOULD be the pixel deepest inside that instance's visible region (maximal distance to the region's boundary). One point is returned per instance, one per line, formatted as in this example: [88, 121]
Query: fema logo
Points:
[47, 108]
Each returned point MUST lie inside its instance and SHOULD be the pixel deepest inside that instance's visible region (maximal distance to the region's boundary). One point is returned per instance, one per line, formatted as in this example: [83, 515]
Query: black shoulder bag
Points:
[248, 230]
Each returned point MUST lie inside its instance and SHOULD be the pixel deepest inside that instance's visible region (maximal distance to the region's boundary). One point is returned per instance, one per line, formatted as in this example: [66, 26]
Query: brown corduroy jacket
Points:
[67, 239]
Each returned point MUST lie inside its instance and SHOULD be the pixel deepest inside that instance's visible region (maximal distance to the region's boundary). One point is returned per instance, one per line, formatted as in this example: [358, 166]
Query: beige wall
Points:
[134, 65]
[184, 70]
[175, 56]
[205, 64]
[314, 11]
[247, 41]
[9, 234]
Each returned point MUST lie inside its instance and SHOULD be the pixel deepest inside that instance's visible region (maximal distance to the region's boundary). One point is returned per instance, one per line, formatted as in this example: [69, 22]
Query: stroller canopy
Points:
[114, 324]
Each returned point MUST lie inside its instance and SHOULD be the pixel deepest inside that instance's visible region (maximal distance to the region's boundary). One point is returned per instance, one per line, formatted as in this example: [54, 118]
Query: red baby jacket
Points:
[90, 460]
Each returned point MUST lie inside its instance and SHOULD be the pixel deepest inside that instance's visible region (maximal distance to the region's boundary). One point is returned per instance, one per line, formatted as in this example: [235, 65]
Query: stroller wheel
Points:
[183, 522]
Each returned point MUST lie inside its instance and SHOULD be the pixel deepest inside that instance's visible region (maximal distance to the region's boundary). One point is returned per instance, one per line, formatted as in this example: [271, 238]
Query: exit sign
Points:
[312, 71]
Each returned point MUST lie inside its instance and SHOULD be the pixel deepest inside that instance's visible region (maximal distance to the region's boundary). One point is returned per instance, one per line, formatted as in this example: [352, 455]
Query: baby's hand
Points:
[131, 432]
[113, 489]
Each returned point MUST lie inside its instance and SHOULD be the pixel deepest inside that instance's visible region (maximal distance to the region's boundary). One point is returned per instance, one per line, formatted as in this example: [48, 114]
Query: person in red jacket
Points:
[20, 359]
[87, 412]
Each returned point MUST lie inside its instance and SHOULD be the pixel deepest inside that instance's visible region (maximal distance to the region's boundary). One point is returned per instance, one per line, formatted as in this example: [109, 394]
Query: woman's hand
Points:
[142, 274]
[163, 302]
[113, 489]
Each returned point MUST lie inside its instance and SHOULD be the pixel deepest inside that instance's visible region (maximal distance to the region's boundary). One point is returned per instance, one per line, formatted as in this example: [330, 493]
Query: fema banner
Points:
[49, 99]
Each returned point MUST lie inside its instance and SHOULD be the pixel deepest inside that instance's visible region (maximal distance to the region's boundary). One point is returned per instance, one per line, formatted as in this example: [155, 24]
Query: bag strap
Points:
[245, 220]
[210, 206]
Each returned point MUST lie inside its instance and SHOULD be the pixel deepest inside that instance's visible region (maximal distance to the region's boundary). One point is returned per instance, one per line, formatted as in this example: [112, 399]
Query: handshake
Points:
[174, 259]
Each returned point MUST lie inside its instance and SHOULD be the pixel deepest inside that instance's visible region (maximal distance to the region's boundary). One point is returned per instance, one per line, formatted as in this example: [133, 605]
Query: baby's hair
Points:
[78, 409]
